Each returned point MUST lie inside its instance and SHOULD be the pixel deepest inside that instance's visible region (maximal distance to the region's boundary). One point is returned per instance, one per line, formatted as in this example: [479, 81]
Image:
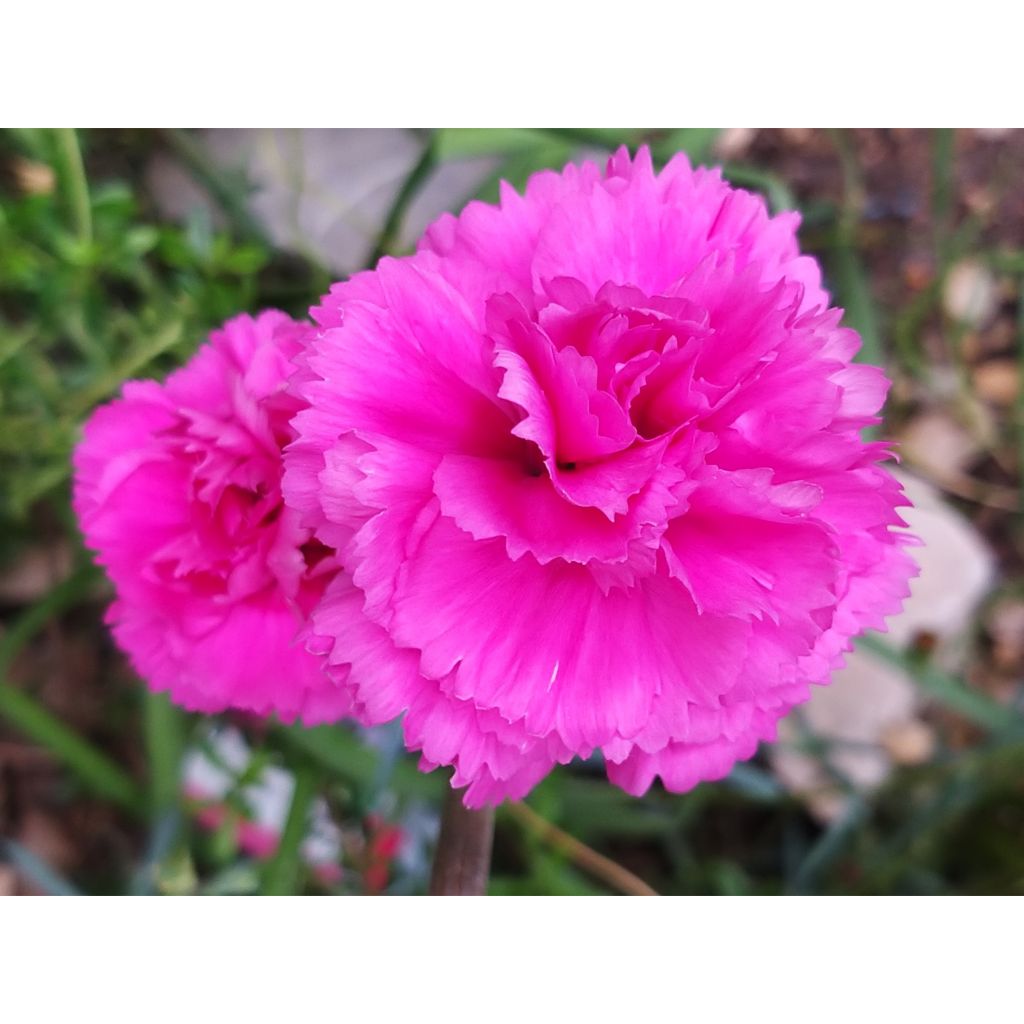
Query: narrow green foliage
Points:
[285, 868]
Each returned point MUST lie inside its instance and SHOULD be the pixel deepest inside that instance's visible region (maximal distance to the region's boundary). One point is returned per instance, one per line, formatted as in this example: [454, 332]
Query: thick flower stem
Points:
[463, 858]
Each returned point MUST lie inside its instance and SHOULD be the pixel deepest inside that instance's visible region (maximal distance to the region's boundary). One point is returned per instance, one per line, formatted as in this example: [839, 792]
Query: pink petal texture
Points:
[177, 488]
[592, 461]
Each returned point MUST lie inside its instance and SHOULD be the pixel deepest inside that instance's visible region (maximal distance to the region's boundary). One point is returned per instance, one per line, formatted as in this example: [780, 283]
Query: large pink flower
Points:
[593, 463]
[178, 489]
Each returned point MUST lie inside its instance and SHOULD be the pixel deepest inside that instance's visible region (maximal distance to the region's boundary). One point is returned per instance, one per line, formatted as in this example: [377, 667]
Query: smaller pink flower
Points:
[177, 490]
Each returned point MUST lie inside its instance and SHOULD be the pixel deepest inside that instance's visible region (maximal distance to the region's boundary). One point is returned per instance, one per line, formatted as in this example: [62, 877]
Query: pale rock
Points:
[910, 742]
[869, 714]
[1006, 626]
[733, 142]
[8, 880]
[997, 381]
[938, 444]
[323, 193]
[37, 570]
[970, 293]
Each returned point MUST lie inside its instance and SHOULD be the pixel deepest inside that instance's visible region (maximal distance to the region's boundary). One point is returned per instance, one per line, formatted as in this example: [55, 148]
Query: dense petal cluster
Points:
[593, 463]
[178, 489]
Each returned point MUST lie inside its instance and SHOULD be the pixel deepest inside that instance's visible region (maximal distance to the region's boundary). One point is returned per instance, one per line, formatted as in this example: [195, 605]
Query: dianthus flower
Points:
[593, 463]
[178, 489]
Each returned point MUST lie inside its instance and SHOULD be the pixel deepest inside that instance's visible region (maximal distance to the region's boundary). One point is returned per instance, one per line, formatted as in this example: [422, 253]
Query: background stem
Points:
[282, 875]
[76, 187]
[463, 859]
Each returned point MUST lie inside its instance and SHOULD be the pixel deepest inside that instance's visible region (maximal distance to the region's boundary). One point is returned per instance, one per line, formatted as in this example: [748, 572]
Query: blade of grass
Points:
[779, 195]
[163, 725]
[595, 138]
[942, 189]
[163, 839]
[141, 355]
[338, 751]
[95, 770]
[282, 874]
[229, 195]
[469, 143]
[28, 716]
[37, 871]
[608, 871]
[696, 143]
[71, 171]
[936, 814]
[410, 188]
[164, 728]
[755, 783]
[851, 281]
[30, 621]
[1019, 406]
[854, 293]
[953, 694]
[829, 847]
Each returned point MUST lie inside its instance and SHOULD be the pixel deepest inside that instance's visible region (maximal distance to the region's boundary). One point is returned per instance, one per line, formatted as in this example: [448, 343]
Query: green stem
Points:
[943, 188]
[96, 770]
[74, 181]
[223, 191]
[406, 194]
[163, 724]
[851, 279]
[1019, 406]
[282, 875]
[28, 716]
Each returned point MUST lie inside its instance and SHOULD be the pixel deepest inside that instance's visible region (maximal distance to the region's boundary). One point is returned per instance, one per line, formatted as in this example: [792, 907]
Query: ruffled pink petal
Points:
[592, 461]
[681, 766]
[564, 656]
[177, 489]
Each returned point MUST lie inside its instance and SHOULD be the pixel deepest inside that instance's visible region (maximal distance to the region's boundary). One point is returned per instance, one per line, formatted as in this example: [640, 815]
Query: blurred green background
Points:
[120, 250]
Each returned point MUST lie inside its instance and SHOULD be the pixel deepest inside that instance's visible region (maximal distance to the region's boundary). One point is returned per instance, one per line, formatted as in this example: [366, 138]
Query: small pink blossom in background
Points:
[177, 490]
[592, 461]
[209, 779]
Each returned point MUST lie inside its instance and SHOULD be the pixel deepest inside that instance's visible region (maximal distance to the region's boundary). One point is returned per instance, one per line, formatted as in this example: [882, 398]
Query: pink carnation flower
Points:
[178, 489]
[592, 459]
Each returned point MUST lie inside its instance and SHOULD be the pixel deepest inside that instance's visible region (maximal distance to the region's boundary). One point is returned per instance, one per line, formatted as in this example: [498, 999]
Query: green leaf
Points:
[463, 143]
[94, 770]
[338, 751]
[37, 871]
[164, 728]
[696, 143]
[953, 694]
[284, 869]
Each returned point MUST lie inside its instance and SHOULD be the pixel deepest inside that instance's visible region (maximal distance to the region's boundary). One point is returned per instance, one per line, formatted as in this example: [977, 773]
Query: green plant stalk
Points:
[37, 871]
[164, 743]
[414, 181]
[76, 186]
[30, 621]
[834, 841]
[852, 283]
[338, 752]
[140, 356]
[282, 875]
[94, 769]
[1019, 406]
[974, 705]
[205, 171]
[942, 190]
[28, 716]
